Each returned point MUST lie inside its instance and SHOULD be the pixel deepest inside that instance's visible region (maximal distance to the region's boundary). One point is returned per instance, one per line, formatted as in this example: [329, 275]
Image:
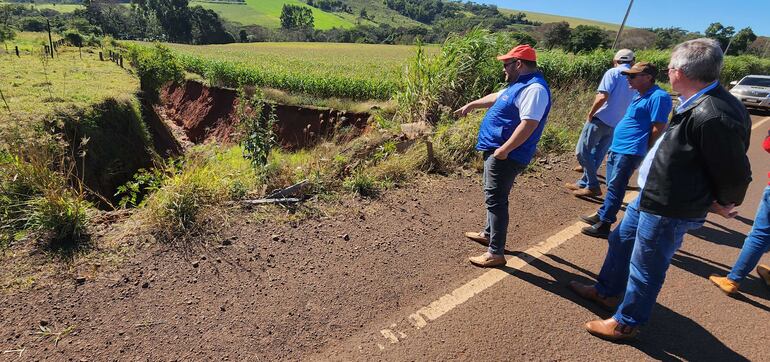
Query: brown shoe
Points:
[586, 192]
[764, 273]
[578, 168]
[589, 292]
[480, 238]
[487, 261]
[728, 286]
[572, 187]
[611, 330]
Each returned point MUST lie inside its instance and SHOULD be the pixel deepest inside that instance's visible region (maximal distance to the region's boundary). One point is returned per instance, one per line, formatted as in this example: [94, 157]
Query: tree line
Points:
[177, 21]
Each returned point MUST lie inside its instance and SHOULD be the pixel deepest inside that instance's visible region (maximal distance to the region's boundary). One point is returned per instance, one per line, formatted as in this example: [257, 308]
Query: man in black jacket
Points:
[698, 165]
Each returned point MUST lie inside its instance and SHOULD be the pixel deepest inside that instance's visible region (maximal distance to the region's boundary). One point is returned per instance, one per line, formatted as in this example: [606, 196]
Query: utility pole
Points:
[728, 44]
[623, 24]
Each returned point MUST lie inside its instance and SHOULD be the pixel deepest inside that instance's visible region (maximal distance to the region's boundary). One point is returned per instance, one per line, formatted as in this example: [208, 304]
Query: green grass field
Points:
[369, 63]
[268, 13]
[62, 8]
[34, 87]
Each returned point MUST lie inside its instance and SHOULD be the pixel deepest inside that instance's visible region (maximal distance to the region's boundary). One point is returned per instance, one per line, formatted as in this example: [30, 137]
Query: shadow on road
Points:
[719, 235]
[703, 267]
[669, 336]
[759, 112]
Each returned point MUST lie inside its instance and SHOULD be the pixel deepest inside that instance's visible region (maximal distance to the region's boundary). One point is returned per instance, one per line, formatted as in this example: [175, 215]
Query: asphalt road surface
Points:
[525, 311]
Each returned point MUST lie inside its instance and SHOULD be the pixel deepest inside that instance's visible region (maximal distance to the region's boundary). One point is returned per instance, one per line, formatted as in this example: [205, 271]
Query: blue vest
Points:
[503, 117]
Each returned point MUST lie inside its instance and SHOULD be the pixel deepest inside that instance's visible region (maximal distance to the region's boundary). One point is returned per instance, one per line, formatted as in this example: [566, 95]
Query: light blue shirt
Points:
[644, 169]
[619, 94]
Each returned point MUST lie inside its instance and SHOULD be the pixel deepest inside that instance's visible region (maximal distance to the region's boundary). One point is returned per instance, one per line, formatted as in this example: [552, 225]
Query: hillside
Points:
[573, 22]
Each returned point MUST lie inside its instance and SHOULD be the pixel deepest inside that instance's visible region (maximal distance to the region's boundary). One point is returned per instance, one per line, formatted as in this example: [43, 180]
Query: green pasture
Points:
[34, 85]
[62, 8]
[268, 13]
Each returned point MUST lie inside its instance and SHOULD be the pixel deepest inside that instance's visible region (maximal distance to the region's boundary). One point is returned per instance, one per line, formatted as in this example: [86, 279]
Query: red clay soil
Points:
[206, 114]
[269, 290]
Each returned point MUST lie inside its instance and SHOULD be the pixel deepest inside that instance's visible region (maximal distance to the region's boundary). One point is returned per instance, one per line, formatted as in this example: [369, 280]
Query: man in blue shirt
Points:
[508, 138]
[644, 121]
[612, 98]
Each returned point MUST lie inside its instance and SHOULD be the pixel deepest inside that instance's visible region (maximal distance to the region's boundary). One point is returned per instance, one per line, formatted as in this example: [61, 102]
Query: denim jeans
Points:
[592, 146]
[498, 181]
[622, 167]
[638, 256]
[756, 244]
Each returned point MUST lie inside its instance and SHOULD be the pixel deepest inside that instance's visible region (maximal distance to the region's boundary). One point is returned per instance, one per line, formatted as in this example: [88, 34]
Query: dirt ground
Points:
[272, 289]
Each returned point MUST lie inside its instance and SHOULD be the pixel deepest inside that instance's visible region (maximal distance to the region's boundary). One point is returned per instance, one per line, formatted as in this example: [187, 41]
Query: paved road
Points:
[526, 312]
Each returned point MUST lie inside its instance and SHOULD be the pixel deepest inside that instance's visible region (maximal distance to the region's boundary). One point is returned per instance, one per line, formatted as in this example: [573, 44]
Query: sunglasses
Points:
[632, 76]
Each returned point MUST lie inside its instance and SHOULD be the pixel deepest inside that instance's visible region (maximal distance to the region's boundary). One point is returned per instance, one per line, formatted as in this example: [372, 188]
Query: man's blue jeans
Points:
[498, 181]
[639, 254]
[622, 167]
[756, 244]
[592, 146]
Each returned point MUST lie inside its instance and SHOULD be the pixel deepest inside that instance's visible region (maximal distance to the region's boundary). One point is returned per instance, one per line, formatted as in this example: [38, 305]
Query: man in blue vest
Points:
[507, 138]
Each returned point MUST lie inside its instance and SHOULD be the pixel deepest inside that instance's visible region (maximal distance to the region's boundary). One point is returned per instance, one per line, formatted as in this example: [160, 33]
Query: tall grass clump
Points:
[155, 66]
[209, 177]
[39, 195]
[465, 69]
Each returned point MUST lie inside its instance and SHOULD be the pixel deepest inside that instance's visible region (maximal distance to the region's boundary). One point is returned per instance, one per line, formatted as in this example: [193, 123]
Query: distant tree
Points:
[523, 38]
[741, 41]
[363, 14]
[721, 33]
[666, 38]
[6, 31]
[296, 17]
[555, 35]
[207, 28]
[637, 39]
[74, 38]
[243, 36]
[587, 38]
[759, 47]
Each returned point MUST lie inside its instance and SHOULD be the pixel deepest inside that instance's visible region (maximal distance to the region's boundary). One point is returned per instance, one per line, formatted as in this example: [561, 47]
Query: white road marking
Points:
[447, 302]
[759, 123]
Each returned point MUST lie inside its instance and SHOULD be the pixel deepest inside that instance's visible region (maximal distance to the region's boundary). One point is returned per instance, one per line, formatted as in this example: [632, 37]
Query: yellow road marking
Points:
[447, 302]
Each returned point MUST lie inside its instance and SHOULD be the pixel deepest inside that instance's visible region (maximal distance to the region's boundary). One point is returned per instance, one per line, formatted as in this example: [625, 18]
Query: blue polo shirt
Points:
[615, 84]
[632, 134]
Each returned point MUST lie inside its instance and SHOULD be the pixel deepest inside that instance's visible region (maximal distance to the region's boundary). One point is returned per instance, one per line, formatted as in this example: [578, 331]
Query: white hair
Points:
[700, 59]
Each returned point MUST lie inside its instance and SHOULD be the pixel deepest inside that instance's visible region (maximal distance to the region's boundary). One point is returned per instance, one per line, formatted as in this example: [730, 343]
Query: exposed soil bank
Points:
[203, 114]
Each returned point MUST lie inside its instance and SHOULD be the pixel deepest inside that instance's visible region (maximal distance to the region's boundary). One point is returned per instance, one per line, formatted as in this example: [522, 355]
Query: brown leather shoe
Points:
[764, 273]
[726, 285]
[611, 330]
[586, 192]
[485, 261]
[578, 168]
[572, 187]
[589, 292]
[480, 238]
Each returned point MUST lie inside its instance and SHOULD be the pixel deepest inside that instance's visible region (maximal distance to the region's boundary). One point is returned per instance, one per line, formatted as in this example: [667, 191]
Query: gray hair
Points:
[700, 59]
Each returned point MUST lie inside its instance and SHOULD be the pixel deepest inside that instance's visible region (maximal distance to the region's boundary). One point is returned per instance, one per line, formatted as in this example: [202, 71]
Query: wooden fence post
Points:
[17, 52]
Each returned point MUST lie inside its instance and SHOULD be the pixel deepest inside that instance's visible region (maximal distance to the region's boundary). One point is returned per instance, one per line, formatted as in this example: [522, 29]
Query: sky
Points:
[692, 15]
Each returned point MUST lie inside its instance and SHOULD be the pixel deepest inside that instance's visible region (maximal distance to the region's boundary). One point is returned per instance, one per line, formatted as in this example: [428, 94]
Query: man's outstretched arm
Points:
[483, 102]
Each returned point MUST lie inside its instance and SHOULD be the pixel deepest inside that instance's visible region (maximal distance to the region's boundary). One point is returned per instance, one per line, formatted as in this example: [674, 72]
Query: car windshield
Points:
[756, 82]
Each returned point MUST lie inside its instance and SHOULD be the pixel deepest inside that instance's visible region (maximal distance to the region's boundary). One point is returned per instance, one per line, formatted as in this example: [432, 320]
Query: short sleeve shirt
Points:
[619, 94]
[632, 134]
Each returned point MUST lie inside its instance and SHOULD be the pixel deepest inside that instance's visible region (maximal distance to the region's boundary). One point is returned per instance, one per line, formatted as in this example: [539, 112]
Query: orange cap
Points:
[524, 52]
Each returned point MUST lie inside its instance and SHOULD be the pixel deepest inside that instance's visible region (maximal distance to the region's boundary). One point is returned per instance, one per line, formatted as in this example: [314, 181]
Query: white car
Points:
[753, 91]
